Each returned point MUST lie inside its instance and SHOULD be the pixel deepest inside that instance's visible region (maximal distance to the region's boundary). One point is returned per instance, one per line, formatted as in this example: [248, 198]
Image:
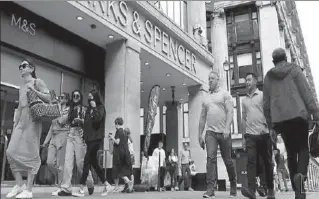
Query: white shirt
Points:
[160, 153]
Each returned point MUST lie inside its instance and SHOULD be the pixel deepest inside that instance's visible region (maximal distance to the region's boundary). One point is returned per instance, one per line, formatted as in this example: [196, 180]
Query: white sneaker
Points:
[79, 193]
[106, 190]
[16, 190]
[56, 192]
[25, 194]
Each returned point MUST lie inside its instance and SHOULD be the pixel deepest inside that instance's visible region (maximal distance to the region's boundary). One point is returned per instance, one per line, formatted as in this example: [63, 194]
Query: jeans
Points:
[186, 176]
[91, 159]
[282, 176]
[173, 173]
[261, 173]
[56, 155]
[259, 145]
[212, 141]
[295, 135]
[75, 152]
[162, 172]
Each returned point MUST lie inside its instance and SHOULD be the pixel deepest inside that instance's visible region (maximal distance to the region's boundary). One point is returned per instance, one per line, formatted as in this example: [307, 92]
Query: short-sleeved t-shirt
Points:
[215, 106]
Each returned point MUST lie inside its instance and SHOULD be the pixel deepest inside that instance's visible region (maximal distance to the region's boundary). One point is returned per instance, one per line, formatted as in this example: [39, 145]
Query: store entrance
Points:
[9, 103]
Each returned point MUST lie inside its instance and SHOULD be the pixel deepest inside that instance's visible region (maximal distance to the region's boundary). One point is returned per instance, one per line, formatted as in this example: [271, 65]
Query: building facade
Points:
[124, 48]
[243, 36]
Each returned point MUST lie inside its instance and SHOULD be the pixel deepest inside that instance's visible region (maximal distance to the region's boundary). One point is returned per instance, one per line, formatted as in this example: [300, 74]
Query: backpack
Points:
[314, 142]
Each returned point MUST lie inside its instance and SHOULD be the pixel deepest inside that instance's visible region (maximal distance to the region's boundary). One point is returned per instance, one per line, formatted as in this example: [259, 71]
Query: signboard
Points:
[23, 24]
[144, 30]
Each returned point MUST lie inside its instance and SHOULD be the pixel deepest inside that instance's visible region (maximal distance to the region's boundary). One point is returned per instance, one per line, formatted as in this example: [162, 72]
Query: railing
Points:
[102, 158]
[312, 183]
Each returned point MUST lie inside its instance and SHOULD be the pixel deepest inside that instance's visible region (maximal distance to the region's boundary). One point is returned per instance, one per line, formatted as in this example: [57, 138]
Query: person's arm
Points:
[244, 120]
[43, 92]
[98, 113]
[266, 102]
[202, 120]
[305, 91]
[116, 138]
[49, 136]
[229, 111]
[17, 116]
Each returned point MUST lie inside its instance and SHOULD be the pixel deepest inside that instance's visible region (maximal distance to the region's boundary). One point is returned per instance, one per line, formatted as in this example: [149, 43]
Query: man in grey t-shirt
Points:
[217, 115]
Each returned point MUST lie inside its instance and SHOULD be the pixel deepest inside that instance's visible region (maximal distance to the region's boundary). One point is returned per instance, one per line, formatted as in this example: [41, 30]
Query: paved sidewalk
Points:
[168, 195]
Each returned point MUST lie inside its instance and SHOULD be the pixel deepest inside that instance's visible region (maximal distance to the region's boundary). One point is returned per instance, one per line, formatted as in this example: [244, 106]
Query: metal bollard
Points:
[4, 158]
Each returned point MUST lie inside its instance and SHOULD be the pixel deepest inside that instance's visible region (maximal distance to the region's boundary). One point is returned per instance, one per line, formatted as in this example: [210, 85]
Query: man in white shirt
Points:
[160, 153]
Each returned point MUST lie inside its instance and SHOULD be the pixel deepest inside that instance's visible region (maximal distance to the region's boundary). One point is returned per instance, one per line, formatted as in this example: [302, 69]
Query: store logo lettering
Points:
[152, 35]
[23, 24]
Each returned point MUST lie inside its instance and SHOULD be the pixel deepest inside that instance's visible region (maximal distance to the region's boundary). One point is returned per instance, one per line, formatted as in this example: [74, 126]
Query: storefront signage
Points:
[23, 24]
[117, 12]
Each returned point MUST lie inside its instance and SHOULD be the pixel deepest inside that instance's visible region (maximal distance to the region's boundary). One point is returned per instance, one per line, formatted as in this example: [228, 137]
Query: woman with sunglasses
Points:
[24, 146]
[94, 122]
[56, 140]
[75, 146]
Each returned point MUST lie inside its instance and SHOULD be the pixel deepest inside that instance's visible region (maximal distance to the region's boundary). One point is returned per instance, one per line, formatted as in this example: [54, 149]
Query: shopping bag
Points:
[39, 109]
[314, 142]
[167, 180]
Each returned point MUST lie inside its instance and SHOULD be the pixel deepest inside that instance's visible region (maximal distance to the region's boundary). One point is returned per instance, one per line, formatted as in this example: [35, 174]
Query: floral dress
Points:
[23, 150]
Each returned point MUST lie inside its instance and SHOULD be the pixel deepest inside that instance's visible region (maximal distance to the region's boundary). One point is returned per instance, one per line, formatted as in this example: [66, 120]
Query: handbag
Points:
[39, 109]
[314, 142]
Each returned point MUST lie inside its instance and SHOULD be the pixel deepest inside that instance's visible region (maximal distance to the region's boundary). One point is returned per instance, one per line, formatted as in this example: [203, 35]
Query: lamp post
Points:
[226, 66]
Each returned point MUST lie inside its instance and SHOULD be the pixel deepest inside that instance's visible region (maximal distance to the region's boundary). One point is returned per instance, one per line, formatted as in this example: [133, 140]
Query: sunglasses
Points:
[23, 66]
[76, 96]
[61, 97]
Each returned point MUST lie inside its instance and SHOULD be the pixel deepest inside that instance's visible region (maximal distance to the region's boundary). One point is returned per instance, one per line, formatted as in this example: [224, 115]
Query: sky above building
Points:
[308, 12]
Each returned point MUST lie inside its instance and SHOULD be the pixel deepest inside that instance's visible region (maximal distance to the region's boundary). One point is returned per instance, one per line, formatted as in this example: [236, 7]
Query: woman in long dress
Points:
[122, 166]
[24, 147]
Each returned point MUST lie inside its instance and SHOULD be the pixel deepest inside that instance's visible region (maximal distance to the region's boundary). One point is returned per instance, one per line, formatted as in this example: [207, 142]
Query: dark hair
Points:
[279, 55]
[72, 104]
[67, 98]
[119, 121]
[31, 63]
[253, 75]
[97, 97]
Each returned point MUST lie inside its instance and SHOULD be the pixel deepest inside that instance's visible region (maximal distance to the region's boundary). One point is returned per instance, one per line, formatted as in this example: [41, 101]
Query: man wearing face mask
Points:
[93, 137]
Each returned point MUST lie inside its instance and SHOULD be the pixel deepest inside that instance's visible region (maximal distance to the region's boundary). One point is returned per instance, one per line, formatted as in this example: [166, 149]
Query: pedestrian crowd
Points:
[284, 107]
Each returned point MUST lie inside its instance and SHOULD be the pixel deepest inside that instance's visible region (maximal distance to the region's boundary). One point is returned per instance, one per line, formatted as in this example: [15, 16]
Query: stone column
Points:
[196, 17]
[269, 40]
[174, 126]
[122, 91]
[219, 43]
[195, 100]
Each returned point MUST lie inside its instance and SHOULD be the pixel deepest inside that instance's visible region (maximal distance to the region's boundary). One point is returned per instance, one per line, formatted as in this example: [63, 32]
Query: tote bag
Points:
[39, 109]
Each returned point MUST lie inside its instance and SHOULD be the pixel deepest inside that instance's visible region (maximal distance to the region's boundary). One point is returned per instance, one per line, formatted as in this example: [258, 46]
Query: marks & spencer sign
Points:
[118, 13]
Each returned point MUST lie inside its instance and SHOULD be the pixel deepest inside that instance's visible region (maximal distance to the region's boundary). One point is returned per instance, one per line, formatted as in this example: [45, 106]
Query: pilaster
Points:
[219, 43]
[122, 91]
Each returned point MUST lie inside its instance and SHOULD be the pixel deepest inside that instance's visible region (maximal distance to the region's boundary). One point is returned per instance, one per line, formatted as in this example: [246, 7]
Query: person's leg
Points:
[162, 176]
[189, 178]
[291, 156]
[211, 165]
[265, 150]
[86, 165]
[52, 159]
[68, 167]
[80, 151]
[60, 156]
[252, 155]
[225, 150]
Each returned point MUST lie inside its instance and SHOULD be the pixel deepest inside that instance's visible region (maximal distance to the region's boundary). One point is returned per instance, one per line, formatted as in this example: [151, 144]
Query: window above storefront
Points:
[175, 10]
